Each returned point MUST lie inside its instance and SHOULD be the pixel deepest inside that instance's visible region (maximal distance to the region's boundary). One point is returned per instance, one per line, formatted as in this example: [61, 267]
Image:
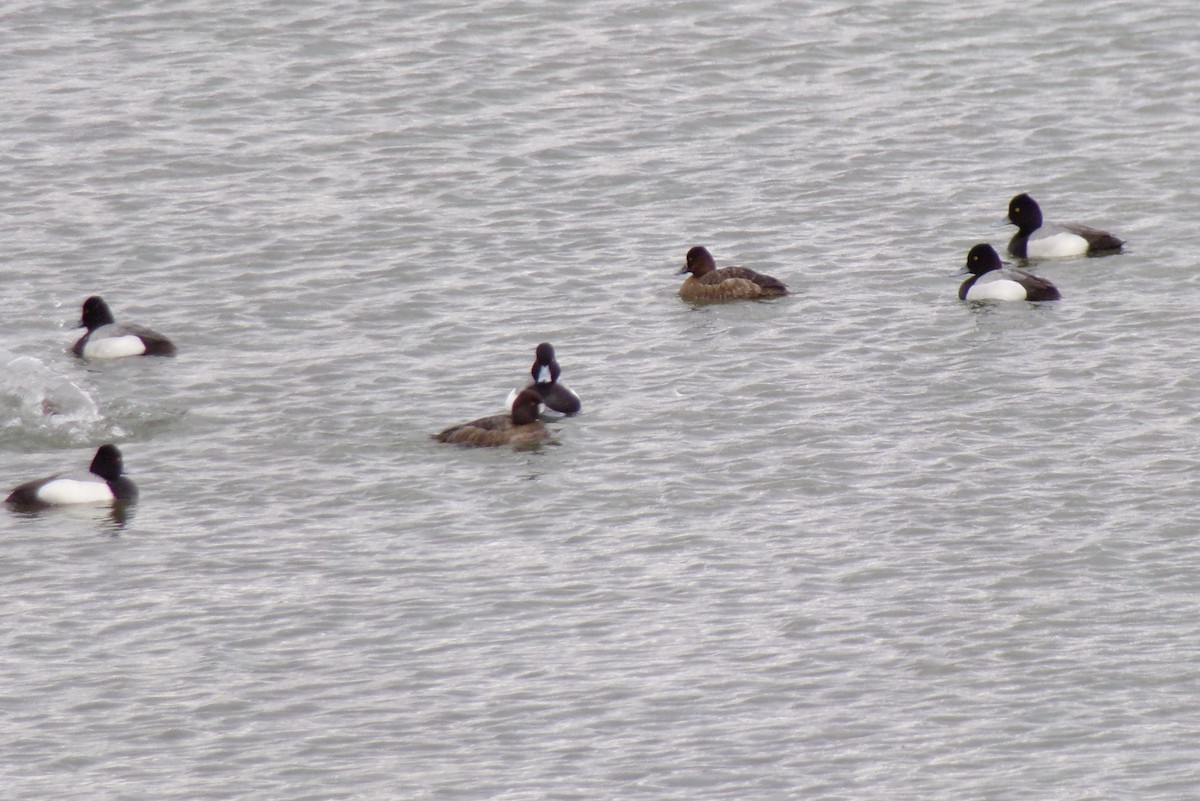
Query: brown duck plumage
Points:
[708, 284]
[521, 427]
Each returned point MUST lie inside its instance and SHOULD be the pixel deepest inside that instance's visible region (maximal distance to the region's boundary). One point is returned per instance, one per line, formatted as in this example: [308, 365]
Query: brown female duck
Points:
[521, 427]
[707, 284]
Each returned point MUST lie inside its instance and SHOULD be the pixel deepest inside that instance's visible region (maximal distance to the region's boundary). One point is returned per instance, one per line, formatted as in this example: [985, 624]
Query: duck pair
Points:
[521, 426]
[105, 480]
[991, 280]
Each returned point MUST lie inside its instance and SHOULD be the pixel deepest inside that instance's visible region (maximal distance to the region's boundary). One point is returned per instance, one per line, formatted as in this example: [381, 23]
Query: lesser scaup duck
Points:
[521, 427]
[104, 483]
[556, 396]
[1035, 239]
[991, 280]
[106, 339]
[707, 284]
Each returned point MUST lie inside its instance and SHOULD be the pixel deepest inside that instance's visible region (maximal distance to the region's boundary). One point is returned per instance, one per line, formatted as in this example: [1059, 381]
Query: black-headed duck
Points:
[105, 482]
[991, 280]
[107, 339]
[1036, 239]
[556, 396]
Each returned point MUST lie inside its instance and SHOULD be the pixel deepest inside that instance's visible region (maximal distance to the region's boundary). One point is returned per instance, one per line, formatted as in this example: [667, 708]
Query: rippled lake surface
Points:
[863, 542]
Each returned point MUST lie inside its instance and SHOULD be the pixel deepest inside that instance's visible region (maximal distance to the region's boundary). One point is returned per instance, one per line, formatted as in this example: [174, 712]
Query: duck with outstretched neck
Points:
[556, 395]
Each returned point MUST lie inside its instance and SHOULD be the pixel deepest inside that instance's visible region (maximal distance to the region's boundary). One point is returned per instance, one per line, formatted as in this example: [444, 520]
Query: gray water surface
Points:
[863, 542]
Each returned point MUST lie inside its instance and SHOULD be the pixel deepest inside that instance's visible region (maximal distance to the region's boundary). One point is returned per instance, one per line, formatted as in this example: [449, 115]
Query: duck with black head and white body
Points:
[991, 280]
[1037, 239]
[105, 482]
[108, 339]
